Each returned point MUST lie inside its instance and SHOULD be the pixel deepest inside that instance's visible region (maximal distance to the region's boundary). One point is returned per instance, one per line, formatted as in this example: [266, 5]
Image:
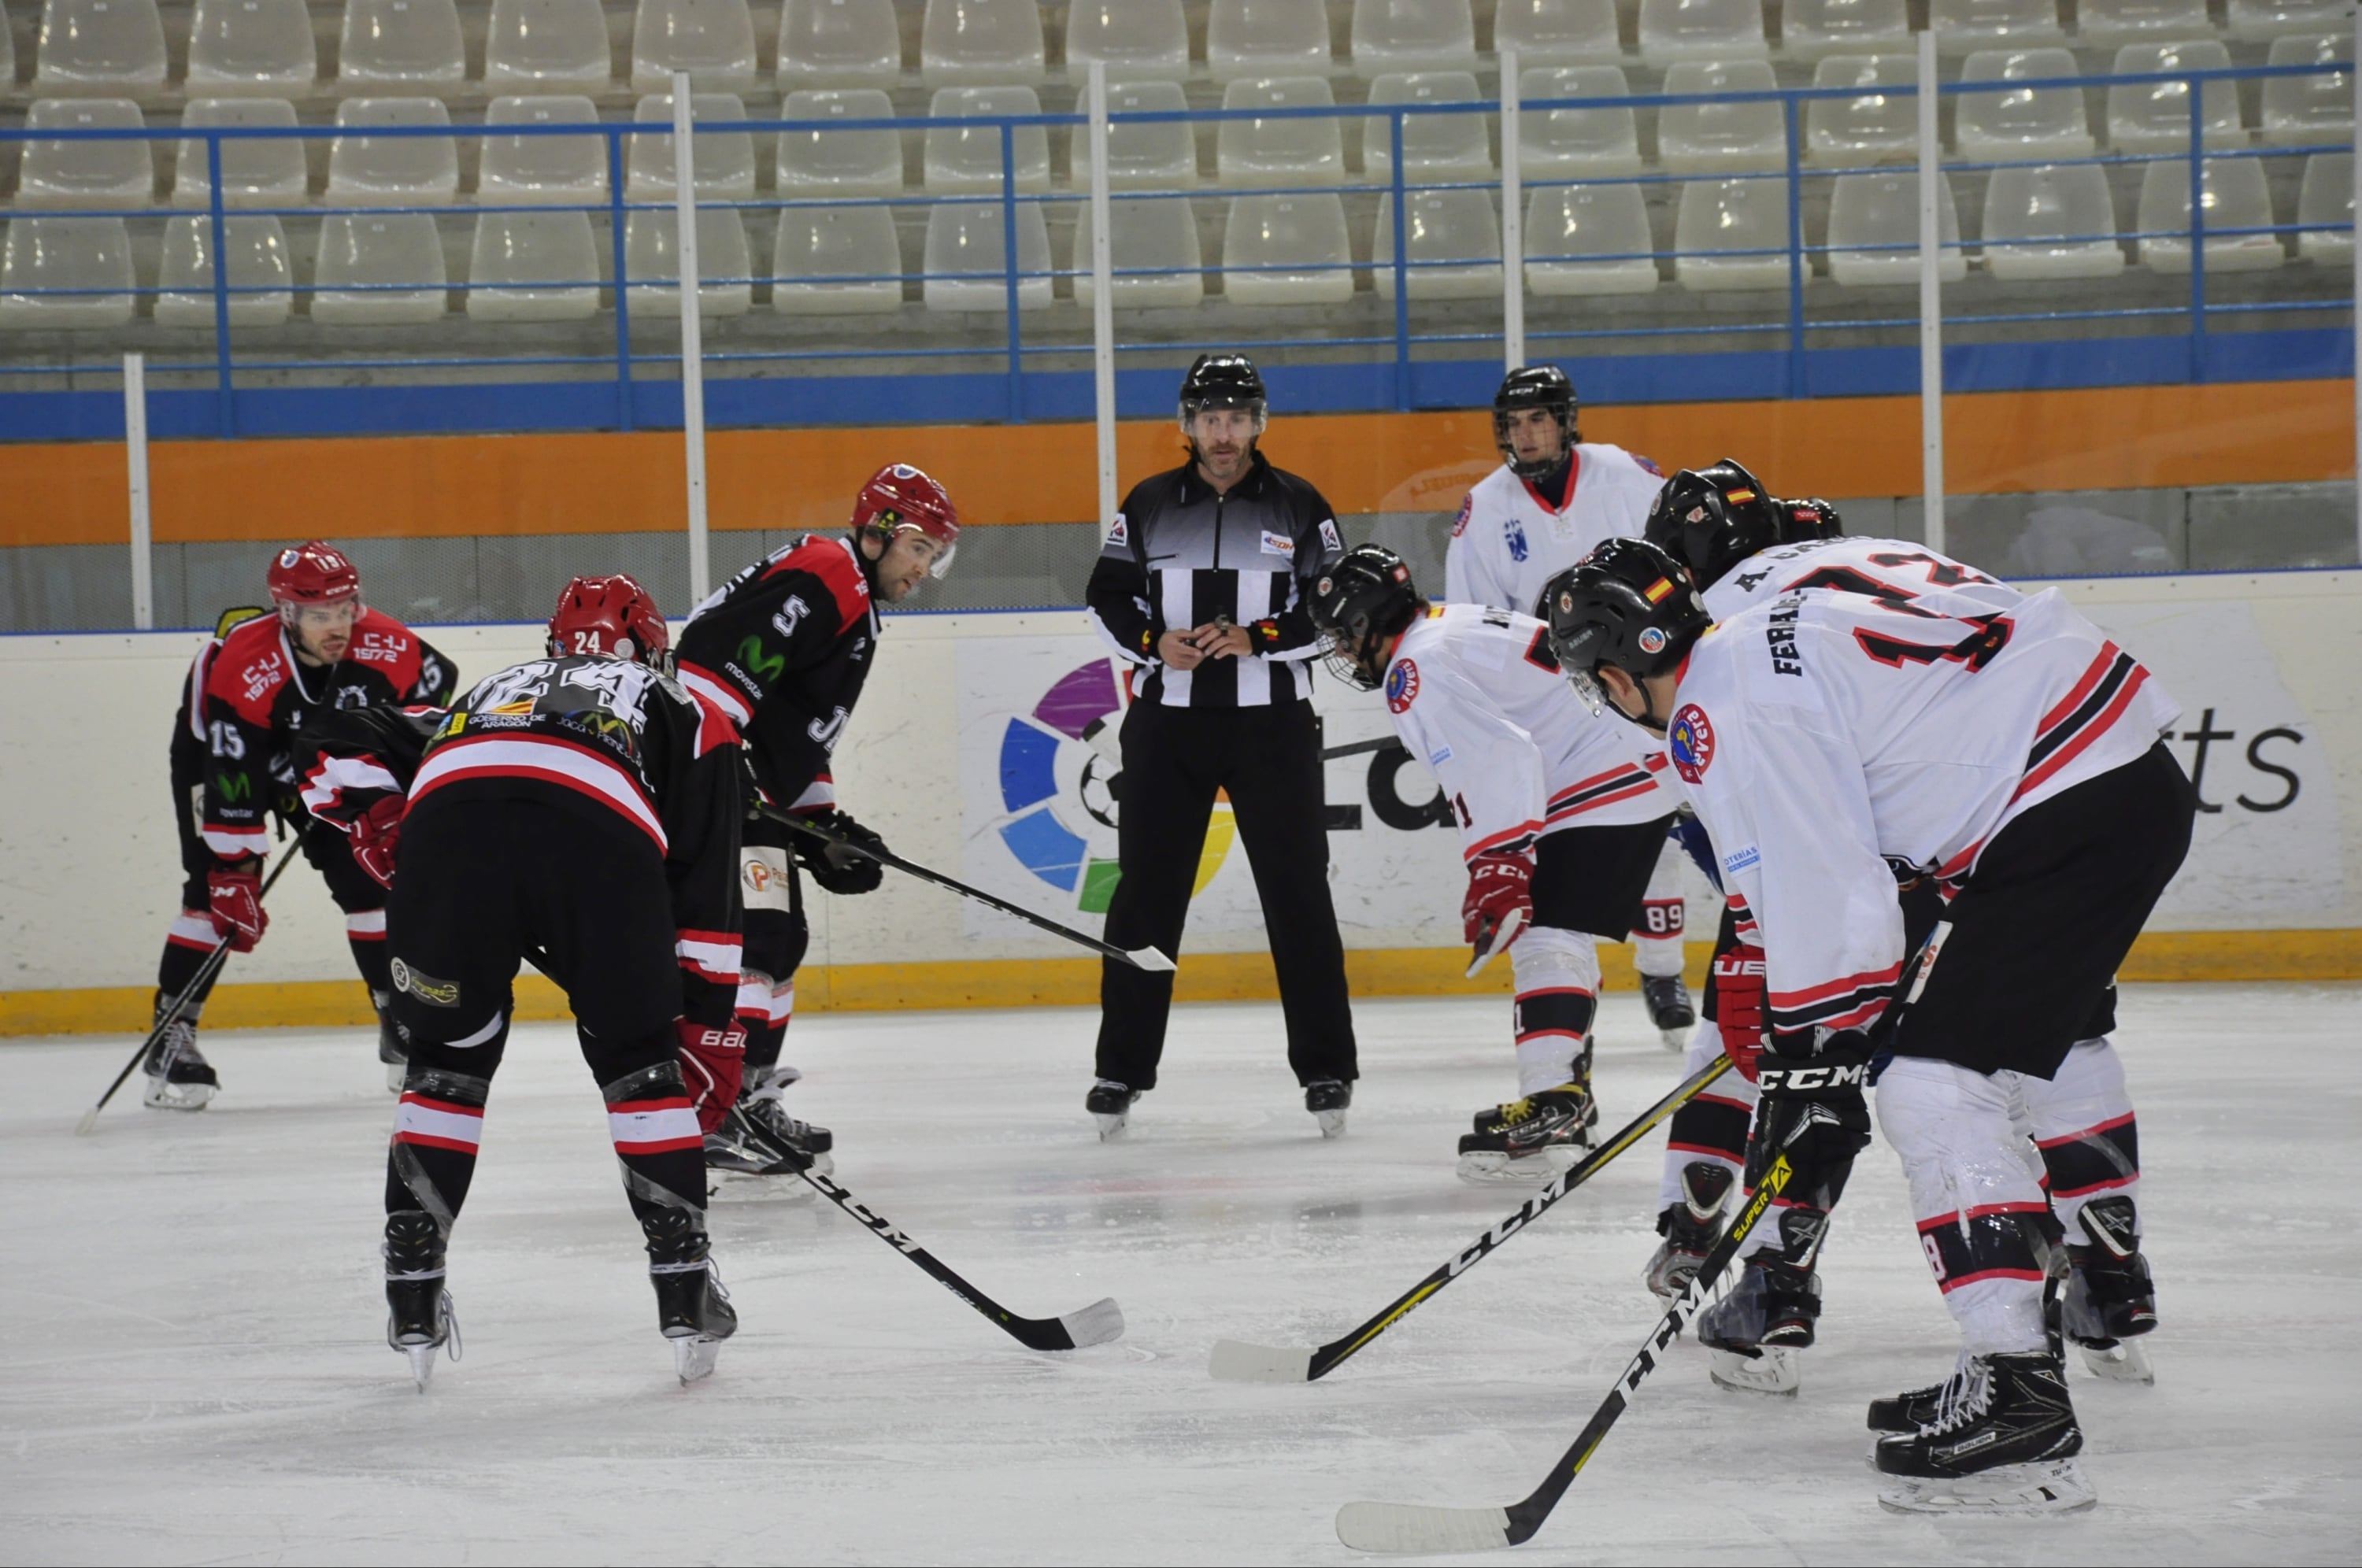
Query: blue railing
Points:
[1408, 353]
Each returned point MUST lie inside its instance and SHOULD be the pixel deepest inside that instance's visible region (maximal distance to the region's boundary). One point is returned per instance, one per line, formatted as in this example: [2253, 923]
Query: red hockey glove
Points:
[375, 837]
[236, 900]
[1500, 897]
[712, 1064]
[1735, 1006]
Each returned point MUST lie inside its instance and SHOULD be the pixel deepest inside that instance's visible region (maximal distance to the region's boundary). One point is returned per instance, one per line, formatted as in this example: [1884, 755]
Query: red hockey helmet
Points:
[609, 615]
[312, 573]
[899, 498]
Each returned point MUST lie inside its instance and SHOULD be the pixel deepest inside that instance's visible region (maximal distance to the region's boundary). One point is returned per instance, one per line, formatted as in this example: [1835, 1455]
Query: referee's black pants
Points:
[1268, 760]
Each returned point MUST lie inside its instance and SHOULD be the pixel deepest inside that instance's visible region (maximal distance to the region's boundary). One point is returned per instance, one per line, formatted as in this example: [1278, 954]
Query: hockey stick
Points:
[205, 972]
[1240, 1361]
[1495, 940]
[1413, 1527]
[1138, 957]
[1356, 748]
[1093, 1325]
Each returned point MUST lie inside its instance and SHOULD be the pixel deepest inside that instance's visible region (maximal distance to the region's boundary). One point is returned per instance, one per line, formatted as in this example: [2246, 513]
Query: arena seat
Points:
[43, 253]
[1458, 230]
[257, 248]
[1249, 39]
[1815, 29]
[1575, 144]
[1881, 123]
[1727, 136]
[2301, 110]
[252, 46]
[723, 168]
[1965, 26]
[255, 172]
[839, 43]
[981, 43]
[1732, 215]
[391, 44]
[98, 46]
[2236, 195]
[363, 255]
[835, 242]
[1140, 40]
[1882, 210]
[2107, 22]
[556, 169]
[2327, 196]
[967, 239]
[547, 46]
[1303, 238]
[725, 161]
[85, 173]
[966, 160]
[2023, 122]
[2154, 116]
[714, 41]
[859, 161]
[8, 53]
[1435, 146]
[388, 170]
[1392, 36]
[538, 266]
[1309, 151]
[1589, 239]
[2050, 221]
[1701, 29]
[2272, 18]
[1161, 155]
[1558, 32]
[1155, 232]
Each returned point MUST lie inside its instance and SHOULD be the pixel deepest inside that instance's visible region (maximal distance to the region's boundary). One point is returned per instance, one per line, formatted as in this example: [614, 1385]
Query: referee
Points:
[1201, 584]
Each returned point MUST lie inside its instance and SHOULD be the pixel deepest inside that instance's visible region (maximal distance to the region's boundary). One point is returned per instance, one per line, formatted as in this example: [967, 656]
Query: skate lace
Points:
[1967, 1396]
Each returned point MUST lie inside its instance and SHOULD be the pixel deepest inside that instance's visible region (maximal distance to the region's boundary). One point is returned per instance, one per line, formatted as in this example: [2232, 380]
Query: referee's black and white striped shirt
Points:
[1181, 555]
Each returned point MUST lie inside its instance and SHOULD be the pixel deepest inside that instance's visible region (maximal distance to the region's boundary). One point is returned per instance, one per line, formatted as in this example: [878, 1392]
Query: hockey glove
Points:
[1735, 1006]
[236, 896]
[713, 1065]
[376, 834]
[1810, 1110]
[839, 868]
[1500, 900]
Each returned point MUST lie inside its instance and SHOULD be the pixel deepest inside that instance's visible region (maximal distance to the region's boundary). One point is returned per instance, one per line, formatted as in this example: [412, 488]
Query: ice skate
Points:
[2004, 1442]
[759, 1138]
[693, 1311]
[1689, 1228]
[419, 1320]
[390, 1050]
[1757, 1331]
[1109, 1104]
[178, 1077]
[2109, 1299]
[1327, 1100]
[1667, 998]
[1531, 1139]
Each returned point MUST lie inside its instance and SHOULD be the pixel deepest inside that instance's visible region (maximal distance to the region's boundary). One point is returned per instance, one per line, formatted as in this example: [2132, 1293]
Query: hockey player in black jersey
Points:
[581, 811]
[781, 650]
[250, 689]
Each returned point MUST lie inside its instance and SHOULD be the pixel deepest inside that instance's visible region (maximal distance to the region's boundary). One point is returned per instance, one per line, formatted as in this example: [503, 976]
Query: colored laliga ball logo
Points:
[1690, 738]
[1652, 639]
[1402, 686]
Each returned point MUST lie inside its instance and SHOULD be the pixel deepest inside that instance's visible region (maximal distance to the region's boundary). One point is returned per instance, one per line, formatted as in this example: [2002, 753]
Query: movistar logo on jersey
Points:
[1514, 531]
[236, 787]
[766, 665]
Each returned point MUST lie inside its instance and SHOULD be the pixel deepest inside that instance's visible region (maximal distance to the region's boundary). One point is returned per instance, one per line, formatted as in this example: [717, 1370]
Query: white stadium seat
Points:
[1302, 240]
[725, 160]
[1306, 150]
[967, 239]
[378, 269]
[2154, 116]
[1963, 26]
[2236, 195]
[981, 43]
[2021, 122]
[86, 173]
[257, 248]
[1579, 143]
[388, 44]
[1458, 231]
[252, 46]
[841, 243]
[1724, 135]
[2104, 22]
[392, 171]
[1701, 29]
[1247, 38]
[714, 41]
[1732, 215]
[723, 168]
[533, 267]
[1868, 214]
[2327, 196]
[2272, 18]
[967, 160]
[8, 53]
[557, 169]
[1159, 232]
[839, 43]
[1589, 239]
[1882, 123]
[1435, 146]
[859, 161]
[255, 171]
[1815, 29]
[1411, 34]
[1140, 40]
[94, 45]
[1558, 32]
[65, 253]
[2050, 221]
[2303, 110]
[547, 46]
[1161, 155]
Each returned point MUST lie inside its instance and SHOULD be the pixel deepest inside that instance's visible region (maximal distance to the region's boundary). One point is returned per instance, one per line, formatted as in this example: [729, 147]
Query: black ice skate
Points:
[178, 1079]
[1667, 998]
[1328, 1099]
[419, 1319]
[391, 1052]
[1757, 1329]
[759, 1138]
[1111, 1103]
[1529, 1139]
[692, 1309]
[1689, 1228]
[2004, 1440]
[2110, 1301]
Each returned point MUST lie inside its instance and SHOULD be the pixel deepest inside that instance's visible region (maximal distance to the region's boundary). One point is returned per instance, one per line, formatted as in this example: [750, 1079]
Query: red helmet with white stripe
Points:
[900, 499]
[612, 615]
[312, 573]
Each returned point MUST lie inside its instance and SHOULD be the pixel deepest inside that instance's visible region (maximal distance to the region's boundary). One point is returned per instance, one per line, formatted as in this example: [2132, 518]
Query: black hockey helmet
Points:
[1361, 605]
[1710, 519]
[1809, 519]
[1534, 386]
[1629, 604]
[1222, 381]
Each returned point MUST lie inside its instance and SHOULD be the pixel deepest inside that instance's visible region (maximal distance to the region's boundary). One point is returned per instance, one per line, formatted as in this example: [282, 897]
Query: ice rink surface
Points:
[194, 1366]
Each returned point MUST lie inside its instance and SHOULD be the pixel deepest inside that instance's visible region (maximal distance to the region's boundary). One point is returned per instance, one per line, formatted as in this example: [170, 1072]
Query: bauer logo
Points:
[1402, 686]
[1690, 738]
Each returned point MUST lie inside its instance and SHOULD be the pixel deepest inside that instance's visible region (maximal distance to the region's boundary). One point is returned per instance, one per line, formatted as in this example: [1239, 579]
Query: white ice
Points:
[194, 1366]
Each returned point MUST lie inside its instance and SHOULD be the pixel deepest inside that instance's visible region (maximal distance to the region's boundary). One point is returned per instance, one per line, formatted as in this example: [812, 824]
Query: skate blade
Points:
[163, 1095]
[693, 1357]
[1490, 1167]
[1111, 1126]
[2049, 1486]
[1774, 1370]
[2124, 1361]
[396, 1074]
[1332, 1122]
[422, 1363]
[1675, 1039]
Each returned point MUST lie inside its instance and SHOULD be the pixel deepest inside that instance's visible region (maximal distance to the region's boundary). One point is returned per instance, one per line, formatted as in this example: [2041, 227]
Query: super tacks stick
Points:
[1238, 1361]
[205, 972]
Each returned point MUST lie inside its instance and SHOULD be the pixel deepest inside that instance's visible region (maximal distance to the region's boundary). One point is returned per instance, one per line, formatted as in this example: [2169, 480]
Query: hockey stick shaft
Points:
[1326, 1358]
[203, 977]
[1094, 1324]
[1143, 958]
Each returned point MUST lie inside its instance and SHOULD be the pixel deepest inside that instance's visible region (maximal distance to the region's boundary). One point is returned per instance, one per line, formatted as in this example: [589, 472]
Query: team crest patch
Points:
[1330, 540]
[1691, 740]
[1467, 506]
[1402, 686]
[1120, 531]
[1651, 639]
[1647, 464]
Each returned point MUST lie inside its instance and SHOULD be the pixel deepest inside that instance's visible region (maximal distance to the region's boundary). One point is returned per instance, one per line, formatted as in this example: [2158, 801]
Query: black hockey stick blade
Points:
[1414, 1527]
[1148, 958]
[1237, 1360]
[1096, 1324]
[206, 970]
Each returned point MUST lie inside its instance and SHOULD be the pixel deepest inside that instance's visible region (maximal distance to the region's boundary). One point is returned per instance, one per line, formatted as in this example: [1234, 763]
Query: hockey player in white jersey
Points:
[2080, 1122]
[1826, 739]
[1555, 497]
[1560, 814]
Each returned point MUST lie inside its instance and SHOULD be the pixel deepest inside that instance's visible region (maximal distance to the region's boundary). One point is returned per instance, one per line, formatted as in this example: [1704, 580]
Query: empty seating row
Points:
[266, 46]
[2041, 222]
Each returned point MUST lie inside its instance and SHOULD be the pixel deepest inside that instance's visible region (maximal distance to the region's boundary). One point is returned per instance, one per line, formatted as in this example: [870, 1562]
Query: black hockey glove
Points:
[1812, 1110]
[840, 870]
